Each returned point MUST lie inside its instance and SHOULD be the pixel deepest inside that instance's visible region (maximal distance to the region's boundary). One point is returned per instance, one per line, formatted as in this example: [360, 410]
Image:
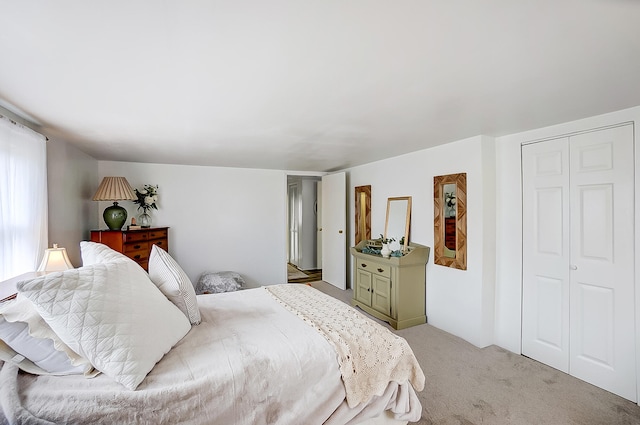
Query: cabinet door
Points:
[381, 294]
[363, 286]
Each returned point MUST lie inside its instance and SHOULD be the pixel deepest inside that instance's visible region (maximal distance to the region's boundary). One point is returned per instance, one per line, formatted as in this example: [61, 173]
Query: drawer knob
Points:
[380, 270]
[136, 246]
[363, 265]
[137, 257]
[159, 243]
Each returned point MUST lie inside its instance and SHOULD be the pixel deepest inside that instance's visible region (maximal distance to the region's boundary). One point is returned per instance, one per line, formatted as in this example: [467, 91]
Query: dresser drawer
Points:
[135, 246]
[157, 234]
[162, 243]
[134, 236]
[375, 268]
[139, 255]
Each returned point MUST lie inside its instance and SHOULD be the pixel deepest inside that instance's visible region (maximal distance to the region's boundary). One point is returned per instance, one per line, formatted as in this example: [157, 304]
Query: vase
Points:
[385, 251]
[144, 220]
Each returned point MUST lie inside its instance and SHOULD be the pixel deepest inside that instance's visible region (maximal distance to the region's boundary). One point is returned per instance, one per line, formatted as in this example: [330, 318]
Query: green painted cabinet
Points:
[391, 289]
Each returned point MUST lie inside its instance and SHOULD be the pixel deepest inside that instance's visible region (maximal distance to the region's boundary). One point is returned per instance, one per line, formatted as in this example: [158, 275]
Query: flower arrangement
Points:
[147, 197]
[386, 240]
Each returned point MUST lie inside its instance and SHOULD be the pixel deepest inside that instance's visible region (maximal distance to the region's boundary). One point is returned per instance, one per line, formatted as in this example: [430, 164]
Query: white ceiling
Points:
[313, 85]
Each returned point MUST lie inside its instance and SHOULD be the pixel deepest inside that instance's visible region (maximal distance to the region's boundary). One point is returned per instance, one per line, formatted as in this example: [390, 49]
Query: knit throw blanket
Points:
[369, 355]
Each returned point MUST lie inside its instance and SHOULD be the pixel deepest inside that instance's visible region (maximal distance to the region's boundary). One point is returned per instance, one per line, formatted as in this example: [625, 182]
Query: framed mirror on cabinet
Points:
[398, 221]
[450, 220]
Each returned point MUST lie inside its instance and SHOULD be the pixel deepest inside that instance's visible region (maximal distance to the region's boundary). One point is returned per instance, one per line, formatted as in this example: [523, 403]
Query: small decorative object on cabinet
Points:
[135, 244]
[391, 289]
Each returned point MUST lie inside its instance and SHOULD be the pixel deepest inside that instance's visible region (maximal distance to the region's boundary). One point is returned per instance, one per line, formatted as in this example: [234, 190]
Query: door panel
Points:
[363, 286]
[602, 276]
[334, 220]
[545, 306]
[381, 299]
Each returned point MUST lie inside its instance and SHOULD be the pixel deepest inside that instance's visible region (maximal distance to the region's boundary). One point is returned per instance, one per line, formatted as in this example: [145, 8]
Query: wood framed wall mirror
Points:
[363, 213]
[450, 220]
[398, 220]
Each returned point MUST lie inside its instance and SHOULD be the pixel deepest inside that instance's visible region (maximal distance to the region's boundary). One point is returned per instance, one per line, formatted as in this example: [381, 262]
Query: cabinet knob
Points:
[340, 231]
[363, 265]
[136, 246]
[573, 267]
[380, 270]
[137, 257]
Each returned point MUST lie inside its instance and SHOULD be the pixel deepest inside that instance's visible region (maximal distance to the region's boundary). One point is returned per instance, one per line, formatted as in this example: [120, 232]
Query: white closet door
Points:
[545, 244]
[602, 269]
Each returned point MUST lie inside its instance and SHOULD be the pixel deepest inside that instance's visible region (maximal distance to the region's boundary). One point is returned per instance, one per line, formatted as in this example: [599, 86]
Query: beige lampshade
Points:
[55, 260]
[114, 189]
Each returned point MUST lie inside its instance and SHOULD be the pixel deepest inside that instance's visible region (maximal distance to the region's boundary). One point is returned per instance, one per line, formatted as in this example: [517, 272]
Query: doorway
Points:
[304, 253]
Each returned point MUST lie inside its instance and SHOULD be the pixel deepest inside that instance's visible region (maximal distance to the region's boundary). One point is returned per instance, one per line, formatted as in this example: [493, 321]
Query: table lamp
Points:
[114, 189]
[55, 260]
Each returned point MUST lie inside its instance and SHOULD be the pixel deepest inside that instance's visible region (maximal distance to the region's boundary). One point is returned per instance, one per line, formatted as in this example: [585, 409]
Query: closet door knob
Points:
[573, 267]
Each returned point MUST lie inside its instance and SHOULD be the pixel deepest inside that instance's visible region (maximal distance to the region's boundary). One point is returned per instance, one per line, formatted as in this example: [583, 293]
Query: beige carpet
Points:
[467, 385]
[294, 273]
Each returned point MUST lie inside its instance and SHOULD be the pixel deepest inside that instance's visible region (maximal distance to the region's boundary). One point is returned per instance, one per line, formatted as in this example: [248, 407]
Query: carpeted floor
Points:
[467, 385]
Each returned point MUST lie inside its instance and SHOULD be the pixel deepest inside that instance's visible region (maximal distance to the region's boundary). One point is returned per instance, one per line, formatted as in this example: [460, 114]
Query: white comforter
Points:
[250, 361]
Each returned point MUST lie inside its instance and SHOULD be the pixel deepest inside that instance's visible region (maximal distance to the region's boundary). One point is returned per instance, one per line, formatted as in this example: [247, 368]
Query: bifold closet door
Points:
[602, 329]
[578, 249]
[545, 251]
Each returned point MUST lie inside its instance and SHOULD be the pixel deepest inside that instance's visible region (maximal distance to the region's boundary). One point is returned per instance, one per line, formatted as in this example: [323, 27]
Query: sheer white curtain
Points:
[23, 198]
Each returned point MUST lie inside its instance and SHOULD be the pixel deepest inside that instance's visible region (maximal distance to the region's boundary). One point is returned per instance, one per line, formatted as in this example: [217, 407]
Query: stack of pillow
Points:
[108, 316]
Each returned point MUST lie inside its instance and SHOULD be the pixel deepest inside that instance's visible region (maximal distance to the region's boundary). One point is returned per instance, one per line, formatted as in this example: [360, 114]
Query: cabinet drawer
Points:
[375, 268]
[139, 255]
[162, 243]
[135, 236]
[155, 234]
[136, 246]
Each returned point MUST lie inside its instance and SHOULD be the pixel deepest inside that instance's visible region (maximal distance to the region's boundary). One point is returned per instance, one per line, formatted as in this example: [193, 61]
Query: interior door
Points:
[578, 257]
[602, 266]
[545, 250]
[334, 220]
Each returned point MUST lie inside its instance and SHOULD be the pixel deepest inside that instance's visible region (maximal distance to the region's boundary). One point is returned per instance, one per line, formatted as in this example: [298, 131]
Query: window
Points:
[23, 198]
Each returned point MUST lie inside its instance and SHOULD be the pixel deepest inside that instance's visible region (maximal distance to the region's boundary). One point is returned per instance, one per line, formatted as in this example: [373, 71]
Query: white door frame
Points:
[285, 186]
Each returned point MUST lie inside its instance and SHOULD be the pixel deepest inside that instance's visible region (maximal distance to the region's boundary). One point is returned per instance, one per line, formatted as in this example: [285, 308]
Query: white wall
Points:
[72, 178]
[219, 218]
[509, 216]
[459, 302]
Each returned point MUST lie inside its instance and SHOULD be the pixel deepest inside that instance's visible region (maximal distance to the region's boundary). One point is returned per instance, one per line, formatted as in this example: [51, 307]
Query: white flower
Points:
[143, 191]
[155, 198]
[148, 200]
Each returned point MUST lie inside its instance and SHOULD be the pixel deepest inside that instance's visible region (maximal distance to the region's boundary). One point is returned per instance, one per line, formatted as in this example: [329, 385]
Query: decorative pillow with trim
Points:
[25, 332]
[174, 283]
[111, 314]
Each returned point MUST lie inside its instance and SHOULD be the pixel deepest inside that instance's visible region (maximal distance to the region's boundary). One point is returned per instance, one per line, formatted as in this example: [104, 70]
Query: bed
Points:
[282, 354]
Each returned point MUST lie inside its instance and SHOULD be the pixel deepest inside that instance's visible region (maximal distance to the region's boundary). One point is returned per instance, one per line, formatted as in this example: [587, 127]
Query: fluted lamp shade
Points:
[114, 189]
[55, 260]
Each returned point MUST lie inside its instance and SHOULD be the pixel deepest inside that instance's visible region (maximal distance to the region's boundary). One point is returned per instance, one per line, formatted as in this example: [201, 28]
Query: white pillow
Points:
[25, 332]
[96, 253]
[112, 314]
[40, 352]
[174, 283]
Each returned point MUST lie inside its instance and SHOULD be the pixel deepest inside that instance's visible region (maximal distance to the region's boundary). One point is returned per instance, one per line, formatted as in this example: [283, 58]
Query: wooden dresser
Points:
[135, 244]
[391, 289]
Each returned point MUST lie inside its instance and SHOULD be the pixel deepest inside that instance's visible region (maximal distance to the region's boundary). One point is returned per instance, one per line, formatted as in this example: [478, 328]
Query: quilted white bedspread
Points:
[250, 361]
